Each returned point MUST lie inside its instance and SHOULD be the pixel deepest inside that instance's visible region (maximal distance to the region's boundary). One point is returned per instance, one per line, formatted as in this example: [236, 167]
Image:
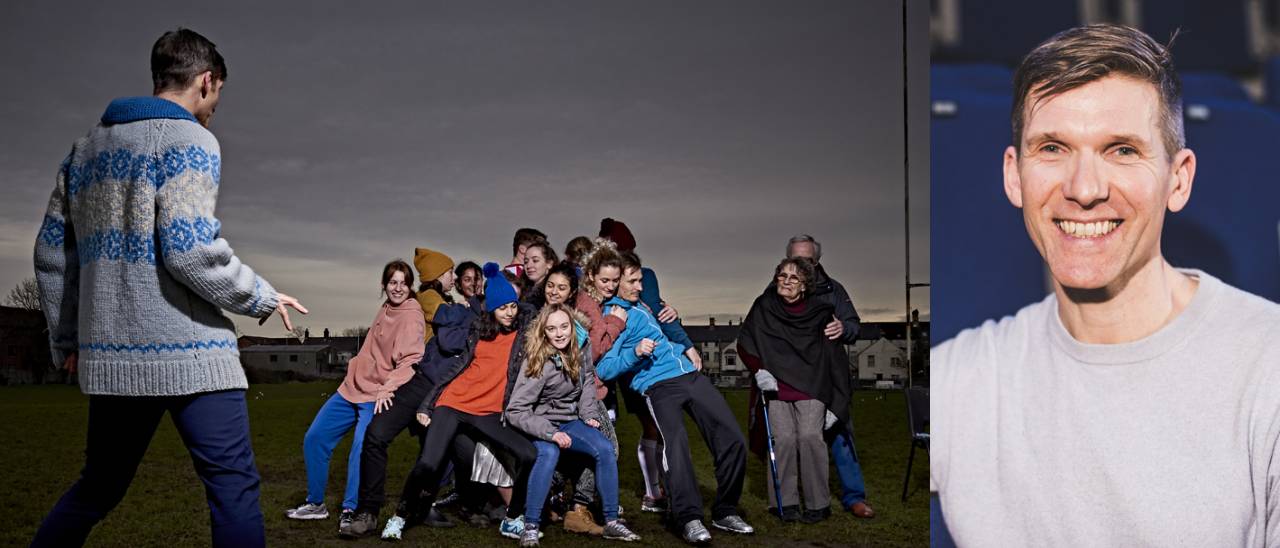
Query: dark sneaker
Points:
[362, 525]
[617, 530]
[814, 516]
[733, 524]
[435, 518]
[446, 500]
[496, 513]
[790, 514]
[696, 533]
[308, 511]
[650, 504]
[478, 519]
[345, 519]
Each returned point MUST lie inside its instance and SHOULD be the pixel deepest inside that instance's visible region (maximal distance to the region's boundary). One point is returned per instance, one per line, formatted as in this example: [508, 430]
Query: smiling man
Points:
[1139, 403]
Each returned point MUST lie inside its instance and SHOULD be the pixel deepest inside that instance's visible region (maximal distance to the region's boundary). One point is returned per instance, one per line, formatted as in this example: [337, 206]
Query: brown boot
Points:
[579, 520]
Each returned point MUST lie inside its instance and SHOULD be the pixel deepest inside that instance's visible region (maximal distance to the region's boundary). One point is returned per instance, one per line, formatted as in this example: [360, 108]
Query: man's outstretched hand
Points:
[284, 301]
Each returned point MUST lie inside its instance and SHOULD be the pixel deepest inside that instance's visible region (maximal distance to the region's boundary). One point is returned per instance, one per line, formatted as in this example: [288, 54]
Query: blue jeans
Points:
[853, 489]
[334, 420]
[215, 428]
[588, 441]
[939, 536]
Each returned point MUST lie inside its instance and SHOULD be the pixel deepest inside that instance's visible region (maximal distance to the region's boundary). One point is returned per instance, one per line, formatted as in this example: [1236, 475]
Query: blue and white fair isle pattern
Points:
[129, 254]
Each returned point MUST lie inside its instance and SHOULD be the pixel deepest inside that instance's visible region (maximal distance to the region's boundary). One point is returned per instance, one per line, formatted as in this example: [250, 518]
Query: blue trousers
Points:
[215, 428]
[853, 489]
[587, 441]
[334, 420]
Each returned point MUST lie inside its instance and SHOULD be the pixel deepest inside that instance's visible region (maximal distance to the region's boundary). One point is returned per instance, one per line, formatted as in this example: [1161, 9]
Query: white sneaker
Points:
[308, 511]
[393, 529]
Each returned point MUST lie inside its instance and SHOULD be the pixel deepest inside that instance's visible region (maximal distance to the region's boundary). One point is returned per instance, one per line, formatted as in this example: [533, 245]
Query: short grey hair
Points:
[805, 239]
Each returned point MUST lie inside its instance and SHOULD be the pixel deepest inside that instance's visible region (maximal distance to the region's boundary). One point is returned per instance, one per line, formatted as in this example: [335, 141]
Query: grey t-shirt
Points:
[1171, 440]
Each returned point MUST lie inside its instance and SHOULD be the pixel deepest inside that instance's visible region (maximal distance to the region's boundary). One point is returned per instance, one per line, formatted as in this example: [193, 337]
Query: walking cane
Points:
[773, 459]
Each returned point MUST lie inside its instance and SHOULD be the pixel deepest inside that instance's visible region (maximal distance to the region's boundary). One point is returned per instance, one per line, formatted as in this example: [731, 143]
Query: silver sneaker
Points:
[617, 530]
[696, 533]
[529, 537]
[308, 511]
[733, 524]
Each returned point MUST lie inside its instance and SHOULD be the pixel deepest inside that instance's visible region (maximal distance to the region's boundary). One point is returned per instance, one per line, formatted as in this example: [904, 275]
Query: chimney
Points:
[713, 321]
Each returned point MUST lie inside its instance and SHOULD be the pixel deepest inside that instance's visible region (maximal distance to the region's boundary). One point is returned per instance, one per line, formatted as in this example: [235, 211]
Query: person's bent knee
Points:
[312, 440]
[600, 447]
[549, 451]
[422, 468]
[812, 437]
[779, 440]
[527, 454]
[375, 439]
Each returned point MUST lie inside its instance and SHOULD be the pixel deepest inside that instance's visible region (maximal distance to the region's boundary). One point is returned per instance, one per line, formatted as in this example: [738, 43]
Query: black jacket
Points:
[827, 290]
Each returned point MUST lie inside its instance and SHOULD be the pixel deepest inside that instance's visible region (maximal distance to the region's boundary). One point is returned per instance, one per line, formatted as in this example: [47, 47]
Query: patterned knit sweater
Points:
[131, 269]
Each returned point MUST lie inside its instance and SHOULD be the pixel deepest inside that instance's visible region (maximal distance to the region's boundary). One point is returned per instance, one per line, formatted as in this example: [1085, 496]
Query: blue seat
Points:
[1231, 226]
[1003, 31]
[980, 77]
[1212, 85]
[1272, 83]
[1212, 36]
[982, 263]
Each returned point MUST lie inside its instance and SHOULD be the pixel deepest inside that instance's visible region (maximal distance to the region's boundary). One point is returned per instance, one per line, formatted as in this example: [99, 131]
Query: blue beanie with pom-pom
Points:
[497, 290]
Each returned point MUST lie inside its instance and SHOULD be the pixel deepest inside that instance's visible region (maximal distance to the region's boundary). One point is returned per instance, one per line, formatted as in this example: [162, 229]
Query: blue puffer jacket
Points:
[667, 361]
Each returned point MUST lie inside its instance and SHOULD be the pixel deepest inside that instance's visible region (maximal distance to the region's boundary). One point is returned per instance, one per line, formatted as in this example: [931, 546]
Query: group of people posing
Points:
[524, 364]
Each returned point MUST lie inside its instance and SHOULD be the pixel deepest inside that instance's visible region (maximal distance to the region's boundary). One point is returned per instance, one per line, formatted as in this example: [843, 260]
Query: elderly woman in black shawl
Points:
[806, 378]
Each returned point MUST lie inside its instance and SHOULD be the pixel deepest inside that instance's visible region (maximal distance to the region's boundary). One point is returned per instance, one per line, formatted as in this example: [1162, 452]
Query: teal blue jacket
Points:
[667, 361]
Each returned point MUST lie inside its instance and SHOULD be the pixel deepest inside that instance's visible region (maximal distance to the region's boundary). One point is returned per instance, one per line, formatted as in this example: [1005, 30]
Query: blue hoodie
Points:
[667, 361]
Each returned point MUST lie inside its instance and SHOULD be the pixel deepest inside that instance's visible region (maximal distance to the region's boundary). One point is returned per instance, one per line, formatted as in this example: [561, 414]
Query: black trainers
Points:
[344, 520]
[790, 514]
[446, 500]
[437, 519]
[655, 505]
[733, 524]
[814, 516]
[362, 525]
[479, 520]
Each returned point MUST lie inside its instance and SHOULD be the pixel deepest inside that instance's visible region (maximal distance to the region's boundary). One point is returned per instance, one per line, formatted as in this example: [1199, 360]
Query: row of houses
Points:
[877, 359]
[322, 357]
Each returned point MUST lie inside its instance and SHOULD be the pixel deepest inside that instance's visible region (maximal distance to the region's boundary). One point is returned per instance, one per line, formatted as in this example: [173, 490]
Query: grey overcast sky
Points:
[352, 132]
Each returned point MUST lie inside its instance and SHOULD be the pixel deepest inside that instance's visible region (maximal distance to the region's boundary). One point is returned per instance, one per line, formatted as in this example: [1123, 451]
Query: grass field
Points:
[44, 431]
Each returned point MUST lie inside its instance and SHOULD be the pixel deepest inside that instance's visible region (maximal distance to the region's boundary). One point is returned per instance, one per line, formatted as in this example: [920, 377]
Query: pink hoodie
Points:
[387, 357]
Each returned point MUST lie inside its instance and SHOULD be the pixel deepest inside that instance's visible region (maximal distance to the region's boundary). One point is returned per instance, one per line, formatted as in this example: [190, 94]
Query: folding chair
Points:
[918, 420]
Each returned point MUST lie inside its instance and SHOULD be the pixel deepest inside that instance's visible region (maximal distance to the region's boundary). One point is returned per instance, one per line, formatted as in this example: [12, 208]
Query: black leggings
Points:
[383, 429]
[514, 452]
